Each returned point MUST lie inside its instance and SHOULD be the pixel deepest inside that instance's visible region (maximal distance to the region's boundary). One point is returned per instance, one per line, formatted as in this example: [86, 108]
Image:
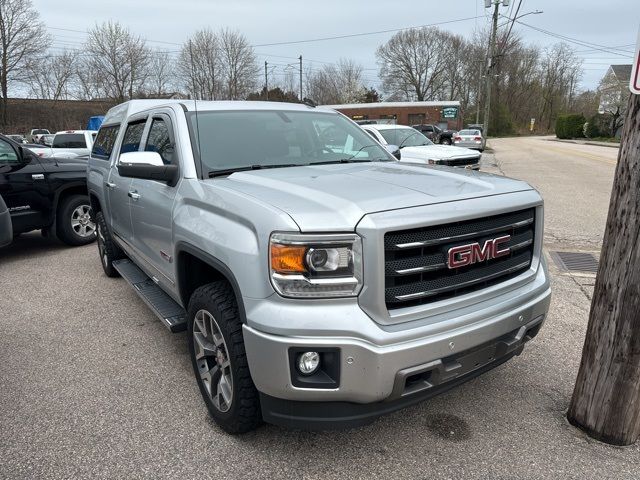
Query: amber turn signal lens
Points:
[288, 259]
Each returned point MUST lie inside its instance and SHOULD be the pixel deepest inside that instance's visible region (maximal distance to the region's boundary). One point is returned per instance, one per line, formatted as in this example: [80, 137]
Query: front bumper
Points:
[375, 360]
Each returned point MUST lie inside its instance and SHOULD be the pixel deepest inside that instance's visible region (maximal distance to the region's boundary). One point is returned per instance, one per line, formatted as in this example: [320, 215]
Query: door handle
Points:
[109, 185]
[37, 176]
[134, 195]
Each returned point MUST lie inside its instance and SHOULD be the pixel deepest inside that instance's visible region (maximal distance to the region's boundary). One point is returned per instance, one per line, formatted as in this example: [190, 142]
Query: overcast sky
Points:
[168, 23]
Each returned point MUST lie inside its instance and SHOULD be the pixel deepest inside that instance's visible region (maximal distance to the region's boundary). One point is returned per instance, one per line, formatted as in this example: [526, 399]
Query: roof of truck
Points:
[118, 113]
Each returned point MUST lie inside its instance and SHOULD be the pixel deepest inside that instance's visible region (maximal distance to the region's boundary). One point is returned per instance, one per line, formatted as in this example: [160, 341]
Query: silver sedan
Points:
[469, 139]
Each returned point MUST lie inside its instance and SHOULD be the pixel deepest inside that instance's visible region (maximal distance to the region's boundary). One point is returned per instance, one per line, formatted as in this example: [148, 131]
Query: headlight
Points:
[434, 162]
[316, 266]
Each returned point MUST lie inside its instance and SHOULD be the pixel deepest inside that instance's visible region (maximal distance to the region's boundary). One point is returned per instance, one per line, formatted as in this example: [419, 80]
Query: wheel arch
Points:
[75, 188]
[195, 267]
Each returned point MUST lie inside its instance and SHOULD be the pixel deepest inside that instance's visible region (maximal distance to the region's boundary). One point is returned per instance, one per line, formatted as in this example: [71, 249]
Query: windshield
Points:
[241, 139]
[39, 131]
[404, 137]
[69, 140]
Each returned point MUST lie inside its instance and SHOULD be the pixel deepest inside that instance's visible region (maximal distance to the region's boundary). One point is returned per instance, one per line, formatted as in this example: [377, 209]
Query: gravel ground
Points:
[93, 386]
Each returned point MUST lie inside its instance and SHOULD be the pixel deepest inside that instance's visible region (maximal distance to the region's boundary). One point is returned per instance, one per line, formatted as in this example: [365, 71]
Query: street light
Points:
[535, 12]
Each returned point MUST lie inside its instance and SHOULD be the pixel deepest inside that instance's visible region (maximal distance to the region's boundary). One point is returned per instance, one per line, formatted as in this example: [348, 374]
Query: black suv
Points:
[45, 193]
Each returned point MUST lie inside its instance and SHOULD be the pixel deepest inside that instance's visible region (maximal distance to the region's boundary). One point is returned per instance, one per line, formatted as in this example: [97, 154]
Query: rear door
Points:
[118, 188]
[152, 205]
[24, 187]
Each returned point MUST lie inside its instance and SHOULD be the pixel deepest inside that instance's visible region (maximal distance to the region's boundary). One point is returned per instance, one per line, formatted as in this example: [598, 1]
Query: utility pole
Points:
[490, 63]
[266, 80]
[300, 78]
[480, 62]
[606, 398]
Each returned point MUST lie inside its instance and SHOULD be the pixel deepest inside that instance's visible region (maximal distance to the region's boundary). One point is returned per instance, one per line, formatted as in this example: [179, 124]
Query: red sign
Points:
[634, 81]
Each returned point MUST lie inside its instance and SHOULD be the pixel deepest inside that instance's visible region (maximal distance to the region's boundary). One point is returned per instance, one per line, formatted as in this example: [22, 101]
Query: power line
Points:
[351, 35]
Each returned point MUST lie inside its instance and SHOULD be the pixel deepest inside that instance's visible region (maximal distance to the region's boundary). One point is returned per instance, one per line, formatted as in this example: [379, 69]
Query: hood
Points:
[336, 197]
[436, 152]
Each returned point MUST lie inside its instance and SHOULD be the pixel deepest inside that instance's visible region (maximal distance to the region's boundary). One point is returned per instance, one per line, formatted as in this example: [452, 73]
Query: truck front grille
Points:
[456, 162]
[416, 261]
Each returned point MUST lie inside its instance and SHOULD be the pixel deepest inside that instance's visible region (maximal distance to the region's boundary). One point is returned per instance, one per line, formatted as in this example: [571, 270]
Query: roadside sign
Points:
[533, 122]
[450, 112]
[634, 81]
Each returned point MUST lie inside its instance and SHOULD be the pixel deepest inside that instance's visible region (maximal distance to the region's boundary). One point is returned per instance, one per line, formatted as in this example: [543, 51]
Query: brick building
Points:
[446, 115]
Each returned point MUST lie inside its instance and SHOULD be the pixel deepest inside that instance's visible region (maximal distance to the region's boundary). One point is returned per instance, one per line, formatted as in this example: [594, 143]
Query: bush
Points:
[570, 126]
[592, 128]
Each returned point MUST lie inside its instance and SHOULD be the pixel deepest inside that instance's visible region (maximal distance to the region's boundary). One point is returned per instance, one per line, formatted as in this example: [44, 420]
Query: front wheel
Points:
[446, 141]
[74, 224]
[108, 250]
[219, 359]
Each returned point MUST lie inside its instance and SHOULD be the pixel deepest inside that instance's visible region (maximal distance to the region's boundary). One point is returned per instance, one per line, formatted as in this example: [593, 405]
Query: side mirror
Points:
[147, 166]
[393, 150]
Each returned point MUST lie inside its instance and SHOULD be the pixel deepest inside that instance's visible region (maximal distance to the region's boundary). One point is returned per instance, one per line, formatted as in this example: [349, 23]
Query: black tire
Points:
[445, 141]
[73, 224]
[243, 412]
[109, 252]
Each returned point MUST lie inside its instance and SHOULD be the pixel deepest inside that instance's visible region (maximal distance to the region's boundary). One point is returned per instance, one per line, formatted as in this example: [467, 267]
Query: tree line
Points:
[415, 64]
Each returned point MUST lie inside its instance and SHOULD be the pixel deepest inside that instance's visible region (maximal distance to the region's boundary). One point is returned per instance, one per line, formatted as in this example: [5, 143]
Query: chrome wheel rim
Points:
[101, 248]
[81, 221]
[212, 360]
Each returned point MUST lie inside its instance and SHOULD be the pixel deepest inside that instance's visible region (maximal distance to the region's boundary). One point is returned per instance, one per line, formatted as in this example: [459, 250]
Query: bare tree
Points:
[53, 76]
[121, 57]
[239, 65]
[412, 63]
[22, 36]
[161, 76]
[200, 65]
[339, 83]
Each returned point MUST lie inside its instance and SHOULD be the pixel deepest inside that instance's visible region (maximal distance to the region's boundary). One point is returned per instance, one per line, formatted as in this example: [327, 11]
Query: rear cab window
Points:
[69, 140]
[105, 141]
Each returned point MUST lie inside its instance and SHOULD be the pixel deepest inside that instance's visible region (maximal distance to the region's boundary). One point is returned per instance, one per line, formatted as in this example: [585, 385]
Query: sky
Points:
[609, 28]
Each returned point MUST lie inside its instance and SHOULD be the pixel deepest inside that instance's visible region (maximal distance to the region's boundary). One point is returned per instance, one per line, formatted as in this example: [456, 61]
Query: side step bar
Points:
[172, 315]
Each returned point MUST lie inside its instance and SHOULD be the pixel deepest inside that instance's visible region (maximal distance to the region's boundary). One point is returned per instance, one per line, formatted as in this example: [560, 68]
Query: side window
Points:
[104, 142]
[159, 140]
[373, 135]
[7, 153]
[132, 137]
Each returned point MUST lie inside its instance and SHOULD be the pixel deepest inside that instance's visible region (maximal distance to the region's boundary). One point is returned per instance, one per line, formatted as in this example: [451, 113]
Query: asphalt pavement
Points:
[93, 386]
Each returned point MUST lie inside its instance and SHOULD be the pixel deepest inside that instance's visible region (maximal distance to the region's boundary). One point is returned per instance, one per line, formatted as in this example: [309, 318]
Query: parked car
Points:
[436, 134]
[45, 194]
[6, 230]
[33, 135]
[67, 144]
[17, 138]
[416, 148]
[472, 139]
[320, 286]
[46, 140]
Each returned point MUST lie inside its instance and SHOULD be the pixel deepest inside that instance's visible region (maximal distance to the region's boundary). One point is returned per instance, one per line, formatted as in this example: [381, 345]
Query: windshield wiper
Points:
[342, 160]
[228, 171]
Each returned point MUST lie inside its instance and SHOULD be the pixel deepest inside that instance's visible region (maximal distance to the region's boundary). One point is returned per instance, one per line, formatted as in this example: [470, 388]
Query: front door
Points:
[23, 185]
[119, 188]
[152, 206]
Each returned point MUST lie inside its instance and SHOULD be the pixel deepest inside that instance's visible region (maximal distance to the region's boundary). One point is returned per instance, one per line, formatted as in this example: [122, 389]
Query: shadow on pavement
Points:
[29, 244]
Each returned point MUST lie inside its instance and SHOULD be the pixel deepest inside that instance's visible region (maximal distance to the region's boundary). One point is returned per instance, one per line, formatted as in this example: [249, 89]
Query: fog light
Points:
[308, 362]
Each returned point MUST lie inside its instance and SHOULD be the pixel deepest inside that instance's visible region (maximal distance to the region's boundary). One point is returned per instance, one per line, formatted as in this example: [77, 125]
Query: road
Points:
[92, 386]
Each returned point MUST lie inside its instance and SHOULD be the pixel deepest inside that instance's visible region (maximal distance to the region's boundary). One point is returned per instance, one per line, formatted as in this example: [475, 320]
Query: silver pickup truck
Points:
[321, 282]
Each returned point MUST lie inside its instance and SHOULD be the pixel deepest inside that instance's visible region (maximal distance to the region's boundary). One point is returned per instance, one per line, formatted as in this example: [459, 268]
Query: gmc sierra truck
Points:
[321, 284]
[48, 194]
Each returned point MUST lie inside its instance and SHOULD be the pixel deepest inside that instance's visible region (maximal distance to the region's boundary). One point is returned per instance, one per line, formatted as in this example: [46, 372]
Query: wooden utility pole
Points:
[606, 398]
[490, 65]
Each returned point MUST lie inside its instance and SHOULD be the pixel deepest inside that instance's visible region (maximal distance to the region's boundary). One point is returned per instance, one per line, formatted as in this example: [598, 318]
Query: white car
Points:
[416, 148]
[67, 144]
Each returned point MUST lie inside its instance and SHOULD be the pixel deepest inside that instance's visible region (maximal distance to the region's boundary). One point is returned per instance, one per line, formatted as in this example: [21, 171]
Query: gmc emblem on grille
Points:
[464, 255]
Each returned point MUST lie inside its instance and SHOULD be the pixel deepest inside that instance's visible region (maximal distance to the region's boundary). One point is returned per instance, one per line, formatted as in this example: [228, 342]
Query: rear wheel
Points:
[109, 251]
[74, 224]
[219, 358]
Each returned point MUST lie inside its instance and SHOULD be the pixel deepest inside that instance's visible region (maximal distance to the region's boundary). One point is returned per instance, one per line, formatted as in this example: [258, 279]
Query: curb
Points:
[597, 144]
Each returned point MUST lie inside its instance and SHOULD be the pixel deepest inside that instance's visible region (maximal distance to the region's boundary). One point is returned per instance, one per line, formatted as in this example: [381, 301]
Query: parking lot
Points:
[92, 385]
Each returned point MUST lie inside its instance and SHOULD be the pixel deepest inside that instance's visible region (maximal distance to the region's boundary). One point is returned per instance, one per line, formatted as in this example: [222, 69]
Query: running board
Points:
[172, 315]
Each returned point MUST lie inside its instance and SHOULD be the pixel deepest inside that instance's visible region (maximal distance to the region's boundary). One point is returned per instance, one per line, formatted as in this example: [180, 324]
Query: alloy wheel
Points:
[81, 221]
[212, 359]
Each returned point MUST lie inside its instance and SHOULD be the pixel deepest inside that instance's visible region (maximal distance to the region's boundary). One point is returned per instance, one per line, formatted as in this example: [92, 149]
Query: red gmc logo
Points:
[464, 255]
